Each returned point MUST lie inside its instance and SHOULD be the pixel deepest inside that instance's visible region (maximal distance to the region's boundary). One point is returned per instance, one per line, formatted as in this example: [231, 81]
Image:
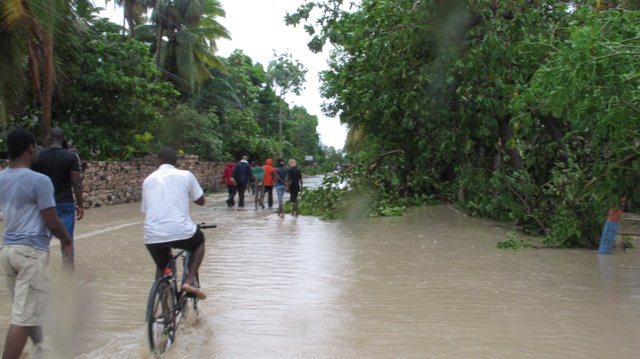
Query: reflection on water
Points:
[428, 285]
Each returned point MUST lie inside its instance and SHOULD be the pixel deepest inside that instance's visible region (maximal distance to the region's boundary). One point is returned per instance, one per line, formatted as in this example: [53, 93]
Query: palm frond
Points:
[146, 33]
[192, 30]
[12, 12]
[13, 64]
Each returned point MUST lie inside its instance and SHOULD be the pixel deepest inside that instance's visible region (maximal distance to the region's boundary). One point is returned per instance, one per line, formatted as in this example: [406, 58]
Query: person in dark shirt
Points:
[294, 185]
[63, 167]
[242, 174]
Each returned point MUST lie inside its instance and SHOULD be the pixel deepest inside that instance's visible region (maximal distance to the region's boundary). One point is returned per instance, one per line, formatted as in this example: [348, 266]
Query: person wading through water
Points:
[294, 185]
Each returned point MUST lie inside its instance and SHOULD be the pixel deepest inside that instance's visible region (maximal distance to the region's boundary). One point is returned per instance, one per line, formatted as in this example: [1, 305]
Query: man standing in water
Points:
[166, 194]
[294, 185]
[63, 168]
[29, 209]
[242, 174]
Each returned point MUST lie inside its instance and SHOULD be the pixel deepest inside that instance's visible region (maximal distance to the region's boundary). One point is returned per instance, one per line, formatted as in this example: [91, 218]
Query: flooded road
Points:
[427, 285]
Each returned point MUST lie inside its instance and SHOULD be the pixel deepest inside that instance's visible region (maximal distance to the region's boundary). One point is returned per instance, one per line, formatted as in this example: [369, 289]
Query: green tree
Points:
[233, 95]
[191, 30]
[242, 97]
[594, 69]
[133, 13]
[241, 134]
[183, 128]
[28, 29]
[13, 51]
[286, 75]
[115, 98]
[517, 112]
[302, 134]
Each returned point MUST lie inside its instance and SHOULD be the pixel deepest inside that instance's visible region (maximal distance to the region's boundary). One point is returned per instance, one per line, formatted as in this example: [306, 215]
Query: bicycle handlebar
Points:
[205, 226]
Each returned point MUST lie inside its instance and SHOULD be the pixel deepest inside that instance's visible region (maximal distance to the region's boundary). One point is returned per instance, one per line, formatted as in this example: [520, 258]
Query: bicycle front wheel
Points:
[161, 321]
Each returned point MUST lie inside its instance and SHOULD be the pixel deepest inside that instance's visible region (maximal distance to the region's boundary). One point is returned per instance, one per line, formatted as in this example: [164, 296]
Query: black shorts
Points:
[161, 252]
[294, 196]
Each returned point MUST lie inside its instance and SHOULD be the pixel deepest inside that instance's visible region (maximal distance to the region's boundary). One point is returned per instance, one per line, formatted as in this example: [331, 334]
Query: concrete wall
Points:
[114, 182]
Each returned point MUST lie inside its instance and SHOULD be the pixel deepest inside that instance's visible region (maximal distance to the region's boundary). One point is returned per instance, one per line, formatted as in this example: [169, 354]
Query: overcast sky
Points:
[257, 28]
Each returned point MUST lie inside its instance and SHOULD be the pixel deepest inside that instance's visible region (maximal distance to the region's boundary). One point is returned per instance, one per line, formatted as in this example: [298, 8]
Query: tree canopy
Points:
[121, 93]
[520, 111]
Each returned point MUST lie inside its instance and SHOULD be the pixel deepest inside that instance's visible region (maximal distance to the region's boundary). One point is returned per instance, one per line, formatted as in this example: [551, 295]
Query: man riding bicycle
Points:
[166, 194]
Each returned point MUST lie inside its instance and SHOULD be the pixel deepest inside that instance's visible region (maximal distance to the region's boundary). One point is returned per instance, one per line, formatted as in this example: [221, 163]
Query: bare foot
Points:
[195, 291]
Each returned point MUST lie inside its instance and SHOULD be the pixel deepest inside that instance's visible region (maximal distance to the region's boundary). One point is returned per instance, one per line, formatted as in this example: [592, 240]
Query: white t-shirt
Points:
[166, 194]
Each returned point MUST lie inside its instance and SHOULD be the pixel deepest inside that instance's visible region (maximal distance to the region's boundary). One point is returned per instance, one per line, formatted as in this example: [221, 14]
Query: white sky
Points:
[257, 28]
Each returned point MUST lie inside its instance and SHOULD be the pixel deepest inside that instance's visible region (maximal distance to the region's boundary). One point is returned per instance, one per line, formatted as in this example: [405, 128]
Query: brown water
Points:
[428, 285]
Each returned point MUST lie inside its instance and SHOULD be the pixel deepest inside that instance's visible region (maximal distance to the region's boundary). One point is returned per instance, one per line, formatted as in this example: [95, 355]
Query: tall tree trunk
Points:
[132, 28]
[34, 69]
[128, 17]
[41, 47]
[47, 87]
[159, 34]
[280, 135]
[505, 133]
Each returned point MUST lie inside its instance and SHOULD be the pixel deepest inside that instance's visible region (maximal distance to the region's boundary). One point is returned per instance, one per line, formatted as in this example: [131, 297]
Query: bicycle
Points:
[168, 305]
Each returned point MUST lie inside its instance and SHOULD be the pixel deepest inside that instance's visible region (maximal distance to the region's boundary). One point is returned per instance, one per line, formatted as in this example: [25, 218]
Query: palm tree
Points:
[133, 11]
[191, 31]
[33, 21]
[28, 29]
[13, 52]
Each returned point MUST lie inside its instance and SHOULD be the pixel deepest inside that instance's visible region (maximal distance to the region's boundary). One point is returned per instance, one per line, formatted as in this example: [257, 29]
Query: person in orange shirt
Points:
[268, 181]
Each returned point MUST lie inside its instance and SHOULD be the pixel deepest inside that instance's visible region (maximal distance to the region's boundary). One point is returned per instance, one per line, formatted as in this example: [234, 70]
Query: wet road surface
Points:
[427, 285]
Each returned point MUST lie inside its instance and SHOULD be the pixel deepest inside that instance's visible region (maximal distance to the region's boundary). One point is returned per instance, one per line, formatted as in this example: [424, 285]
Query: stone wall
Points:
[114, 182]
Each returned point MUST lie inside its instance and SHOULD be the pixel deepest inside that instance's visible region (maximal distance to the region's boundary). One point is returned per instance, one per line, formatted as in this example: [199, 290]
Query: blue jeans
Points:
[280, 194]
[67, 214]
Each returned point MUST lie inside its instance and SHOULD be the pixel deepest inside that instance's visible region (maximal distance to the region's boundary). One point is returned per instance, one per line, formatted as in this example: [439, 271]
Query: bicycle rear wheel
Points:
[161, 323]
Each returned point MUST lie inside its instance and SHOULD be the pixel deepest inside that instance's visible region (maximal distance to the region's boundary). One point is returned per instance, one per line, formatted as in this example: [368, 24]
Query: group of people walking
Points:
[260, 180]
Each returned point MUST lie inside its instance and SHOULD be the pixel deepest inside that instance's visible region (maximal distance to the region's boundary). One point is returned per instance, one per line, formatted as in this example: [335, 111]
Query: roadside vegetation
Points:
[520, 111]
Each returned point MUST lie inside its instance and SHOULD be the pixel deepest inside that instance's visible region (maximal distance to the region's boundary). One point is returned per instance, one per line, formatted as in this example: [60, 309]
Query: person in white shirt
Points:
[166, 194]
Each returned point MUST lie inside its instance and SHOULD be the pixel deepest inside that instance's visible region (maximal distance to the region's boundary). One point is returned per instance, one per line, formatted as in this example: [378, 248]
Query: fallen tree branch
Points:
[547, 246]
[621, 162]
[375, 163]
[629, 234]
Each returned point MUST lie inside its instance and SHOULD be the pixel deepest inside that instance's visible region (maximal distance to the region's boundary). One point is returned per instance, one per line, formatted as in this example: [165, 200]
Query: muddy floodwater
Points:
[428, 285]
